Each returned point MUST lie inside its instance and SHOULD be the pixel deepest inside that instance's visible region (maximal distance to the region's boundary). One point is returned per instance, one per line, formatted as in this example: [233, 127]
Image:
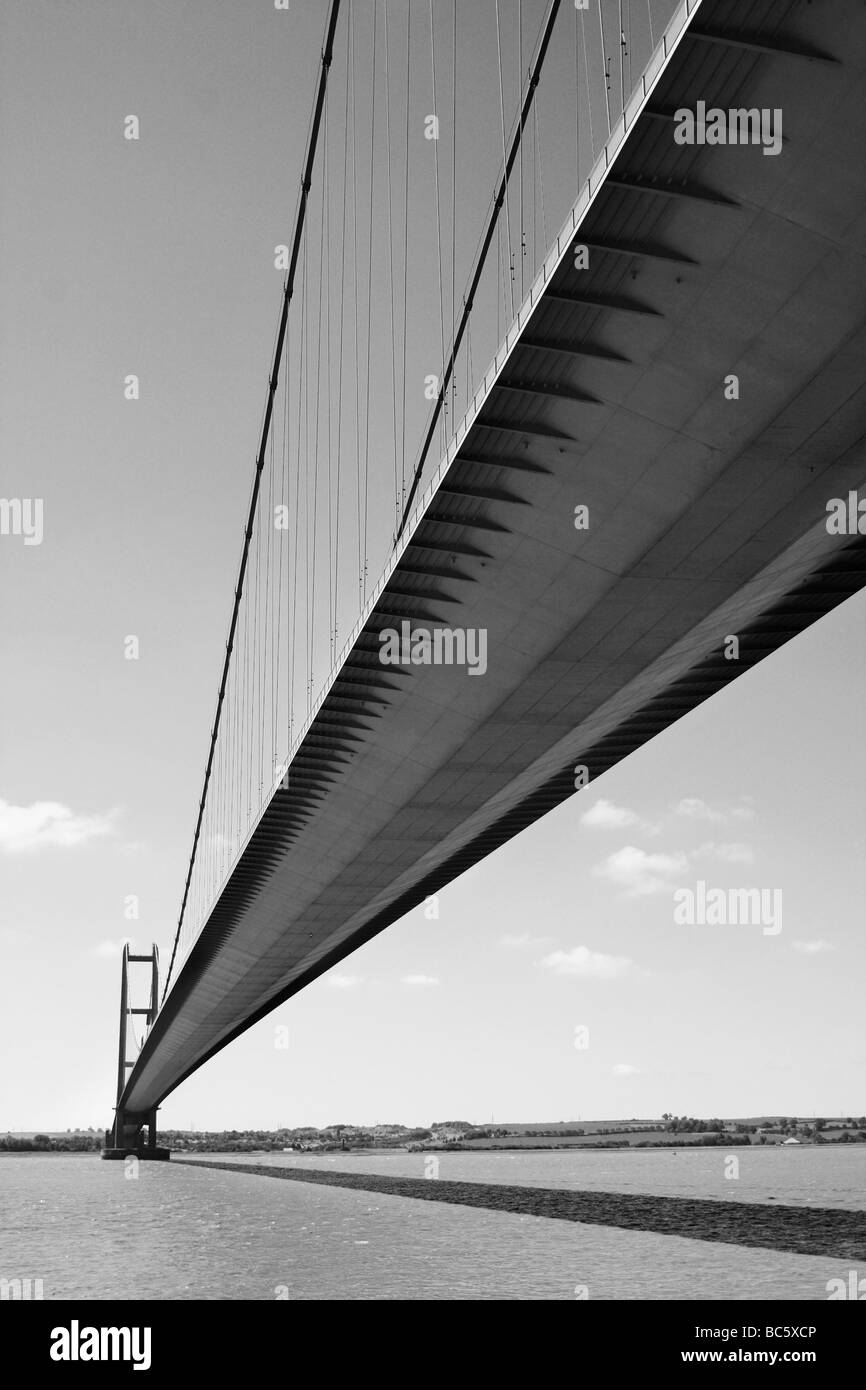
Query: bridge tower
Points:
[125, 1136]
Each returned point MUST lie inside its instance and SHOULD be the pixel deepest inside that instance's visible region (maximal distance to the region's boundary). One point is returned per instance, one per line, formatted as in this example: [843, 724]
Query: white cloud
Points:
[606, 816]
[640, 873]
[518, 941]
[695, 809]
[812, 948]
[732, 853]
[420, 980]
[590, 965]
[343, 981]
[109, 950]
[625, 1069]
[46, 824]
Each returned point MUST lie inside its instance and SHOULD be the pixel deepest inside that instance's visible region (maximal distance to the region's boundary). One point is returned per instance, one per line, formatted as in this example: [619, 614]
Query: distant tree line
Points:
[683, 1124]
[334, 1137]
[60, 1143]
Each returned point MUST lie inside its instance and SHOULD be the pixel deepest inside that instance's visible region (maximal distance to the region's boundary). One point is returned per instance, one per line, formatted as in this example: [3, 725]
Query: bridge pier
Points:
[125, 1138]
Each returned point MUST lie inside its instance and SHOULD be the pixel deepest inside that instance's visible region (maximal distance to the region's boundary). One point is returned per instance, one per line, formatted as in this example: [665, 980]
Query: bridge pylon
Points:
[125, 1138]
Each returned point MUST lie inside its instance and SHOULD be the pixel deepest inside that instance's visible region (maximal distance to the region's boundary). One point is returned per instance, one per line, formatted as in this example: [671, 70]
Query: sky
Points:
[555, 982]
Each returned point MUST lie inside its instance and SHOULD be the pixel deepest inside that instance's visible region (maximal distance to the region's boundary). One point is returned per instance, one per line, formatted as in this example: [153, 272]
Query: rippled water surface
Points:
[87, 1230]
[821, 1177]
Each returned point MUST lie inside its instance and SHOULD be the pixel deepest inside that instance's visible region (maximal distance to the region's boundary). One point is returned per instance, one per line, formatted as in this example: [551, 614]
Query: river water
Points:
[87, 1230]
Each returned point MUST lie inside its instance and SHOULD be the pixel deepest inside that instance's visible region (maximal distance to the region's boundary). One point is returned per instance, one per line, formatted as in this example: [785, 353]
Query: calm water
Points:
[88, 1231]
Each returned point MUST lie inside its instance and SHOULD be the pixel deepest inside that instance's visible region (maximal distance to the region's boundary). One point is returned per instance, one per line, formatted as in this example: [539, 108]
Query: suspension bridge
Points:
[564, 392]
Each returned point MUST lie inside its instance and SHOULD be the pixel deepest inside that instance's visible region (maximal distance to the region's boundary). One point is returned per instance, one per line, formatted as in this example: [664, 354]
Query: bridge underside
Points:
[706, 520]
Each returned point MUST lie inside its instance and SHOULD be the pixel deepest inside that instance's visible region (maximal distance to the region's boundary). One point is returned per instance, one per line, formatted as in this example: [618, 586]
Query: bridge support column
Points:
[125, 1138]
